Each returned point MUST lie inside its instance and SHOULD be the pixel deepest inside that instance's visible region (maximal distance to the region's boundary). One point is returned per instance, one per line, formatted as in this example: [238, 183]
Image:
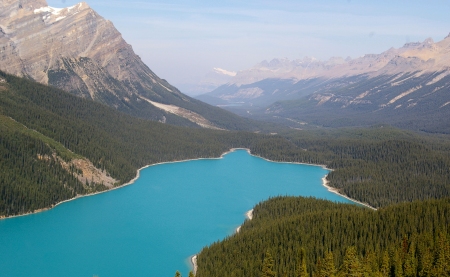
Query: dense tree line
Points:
[69, 126]
[30, 179]
[379, 165]
[295, 236]
[288, 236]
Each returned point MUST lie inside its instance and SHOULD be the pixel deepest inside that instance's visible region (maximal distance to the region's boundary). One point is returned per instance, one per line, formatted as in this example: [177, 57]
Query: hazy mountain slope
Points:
[407, 87]
[77, 50]
[210, 81]
[426, 56]
[417, 102]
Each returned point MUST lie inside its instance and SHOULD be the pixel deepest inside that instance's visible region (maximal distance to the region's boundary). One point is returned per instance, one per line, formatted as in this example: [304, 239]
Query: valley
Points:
[81, 114]
[405, 87]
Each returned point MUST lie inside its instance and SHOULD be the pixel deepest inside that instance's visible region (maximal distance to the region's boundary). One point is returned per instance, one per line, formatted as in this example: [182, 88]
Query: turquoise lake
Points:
[152, 227]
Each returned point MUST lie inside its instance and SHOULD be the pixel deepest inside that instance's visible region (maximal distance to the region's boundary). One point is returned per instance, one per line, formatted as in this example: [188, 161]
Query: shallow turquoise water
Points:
[151, 227]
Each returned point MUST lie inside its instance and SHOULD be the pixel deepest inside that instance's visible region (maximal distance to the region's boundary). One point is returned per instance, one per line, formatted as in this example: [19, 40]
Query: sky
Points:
[181, 41]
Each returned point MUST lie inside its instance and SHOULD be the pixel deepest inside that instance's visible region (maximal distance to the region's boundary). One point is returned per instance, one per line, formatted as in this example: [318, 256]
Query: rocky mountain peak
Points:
[415, 56]
[10, 8]
[51, 15]
[79, 51]
[428, 41]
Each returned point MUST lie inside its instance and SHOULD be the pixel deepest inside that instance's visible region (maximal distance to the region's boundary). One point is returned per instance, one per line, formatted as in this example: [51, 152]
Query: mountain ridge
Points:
[405, 87]
[436, 54]
[77, 50]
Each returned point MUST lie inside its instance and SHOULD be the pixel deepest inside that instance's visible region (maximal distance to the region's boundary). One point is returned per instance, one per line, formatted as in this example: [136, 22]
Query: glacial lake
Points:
[151, 228]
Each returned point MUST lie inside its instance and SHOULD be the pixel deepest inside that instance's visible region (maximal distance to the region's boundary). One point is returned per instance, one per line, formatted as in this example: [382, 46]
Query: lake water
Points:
[152, 227]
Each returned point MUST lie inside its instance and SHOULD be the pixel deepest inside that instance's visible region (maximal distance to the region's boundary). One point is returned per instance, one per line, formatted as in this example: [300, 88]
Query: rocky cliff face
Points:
[77, 50]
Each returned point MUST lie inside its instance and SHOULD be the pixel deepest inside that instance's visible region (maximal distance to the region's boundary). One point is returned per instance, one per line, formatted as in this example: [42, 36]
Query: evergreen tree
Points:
[398, 263]
[425, 262]
[351, 267]
[325, 267]
[439, 268]
[385, 265]
[268, 266]
[410, 264]
[370, 265]
[302, 271]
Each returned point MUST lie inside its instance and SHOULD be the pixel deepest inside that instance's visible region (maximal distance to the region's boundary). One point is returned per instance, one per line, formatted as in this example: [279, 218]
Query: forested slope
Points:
[378, 165]
[43, 130]
[295, 236]
[43, 126]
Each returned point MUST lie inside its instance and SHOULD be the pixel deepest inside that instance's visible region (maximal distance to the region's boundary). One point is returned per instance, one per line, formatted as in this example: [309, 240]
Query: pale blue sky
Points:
[182, 40]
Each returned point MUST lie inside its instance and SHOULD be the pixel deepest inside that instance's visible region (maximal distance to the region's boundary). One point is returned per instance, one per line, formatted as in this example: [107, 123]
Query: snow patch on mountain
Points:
[52, 15]
[398, 97]
[225, 72]
[48, 9]
[438, 78]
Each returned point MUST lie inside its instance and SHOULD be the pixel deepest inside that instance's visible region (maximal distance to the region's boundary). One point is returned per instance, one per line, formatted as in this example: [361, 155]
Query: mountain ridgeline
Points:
[77, 50]
[405, 87]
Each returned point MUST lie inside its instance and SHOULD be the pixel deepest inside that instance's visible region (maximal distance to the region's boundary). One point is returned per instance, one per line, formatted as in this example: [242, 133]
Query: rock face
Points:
[406, 87]
[283, 79]
[79, 51]
[52, 45]
[426, 56]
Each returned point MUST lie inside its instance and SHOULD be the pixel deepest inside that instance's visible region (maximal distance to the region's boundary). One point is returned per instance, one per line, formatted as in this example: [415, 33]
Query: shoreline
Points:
[249, 216]
[138, 174]
[193, 258]
[325, 182]
[336, 191]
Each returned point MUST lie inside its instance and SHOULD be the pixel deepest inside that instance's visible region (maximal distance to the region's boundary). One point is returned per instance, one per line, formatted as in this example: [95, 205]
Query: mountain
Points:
[77, 50]
[212, 80]
[56, 146]
[406, 87]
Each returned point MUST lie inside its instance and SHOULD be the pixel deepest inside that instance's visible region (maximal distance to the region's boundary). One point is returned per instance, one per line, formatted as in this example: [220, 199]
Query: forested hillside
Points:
[43, 128]
[378, 165]
[44, 131]
[295, 236]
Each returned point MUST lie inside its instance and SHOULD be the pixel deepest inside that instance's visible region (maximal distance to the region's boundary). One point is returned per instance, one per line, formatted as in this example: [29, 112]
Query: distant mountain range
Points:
[212, 80]
[77, 50]
[407, 87]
